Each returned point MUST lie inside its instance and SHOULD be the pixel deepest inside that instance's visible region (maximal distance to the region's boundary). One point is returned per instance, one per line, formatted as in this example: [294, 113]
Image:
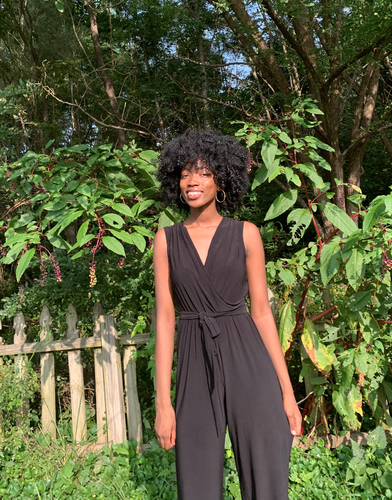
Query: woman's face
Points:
[198, 187]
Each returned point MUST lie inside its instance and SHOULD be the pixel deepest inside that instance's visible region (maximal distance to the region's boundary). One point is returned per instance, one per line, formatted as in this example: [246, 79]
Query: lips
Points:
[193, 195]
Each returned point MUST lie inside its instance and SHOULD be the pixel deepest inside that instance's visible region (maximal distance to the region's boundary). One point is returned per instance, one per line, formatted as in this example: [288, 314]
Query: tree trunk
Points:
[107, 81]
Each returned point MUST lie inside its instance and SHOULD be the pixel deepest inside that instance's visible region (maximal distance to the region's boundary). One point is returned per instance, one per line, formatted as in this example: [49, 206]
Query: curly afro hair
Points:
[221, 154]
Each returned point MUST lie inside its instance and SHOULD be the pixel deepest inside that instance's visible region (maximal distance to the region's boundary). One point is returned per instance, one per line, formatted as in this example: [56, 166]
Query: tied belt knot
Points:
[213, 363]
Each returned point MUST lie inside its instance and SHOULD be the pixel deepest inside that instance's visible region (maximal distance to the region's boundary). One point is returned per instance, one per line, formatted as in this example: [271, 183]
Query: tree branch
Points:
[338, 71]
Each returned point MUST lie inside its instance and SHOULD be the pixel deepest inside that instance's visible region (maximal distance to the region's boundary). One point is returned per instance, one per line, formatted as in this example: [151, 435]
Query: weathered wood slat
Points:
[48, 383]
[113, 381]
[20, 361]
[100, 397]
[78, 403]
[69, 345]
[135, 430]
[1, 413]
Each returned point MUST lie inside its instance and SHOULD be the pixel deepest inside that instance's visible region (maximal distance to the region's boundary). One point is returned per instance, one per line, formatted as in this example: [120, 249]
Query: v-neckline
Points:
[211, 242]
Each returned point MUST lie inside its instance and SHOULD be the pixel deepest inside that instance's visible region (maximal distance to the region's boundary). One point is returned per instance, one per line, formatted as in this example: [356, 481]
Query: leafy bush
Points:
[336, 288]
[41, 470]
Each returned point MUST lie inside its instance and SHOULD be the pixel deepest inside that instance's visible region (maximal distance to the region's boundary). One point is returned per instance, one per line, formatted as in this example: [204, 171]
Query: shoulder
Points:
[251, 230]
[252, 238]
[160, 242]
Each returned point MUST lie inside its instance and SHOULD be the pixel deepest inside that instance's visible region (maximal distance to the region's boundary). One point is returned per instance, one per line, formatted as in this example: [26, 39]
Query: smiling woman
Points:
[231, 371]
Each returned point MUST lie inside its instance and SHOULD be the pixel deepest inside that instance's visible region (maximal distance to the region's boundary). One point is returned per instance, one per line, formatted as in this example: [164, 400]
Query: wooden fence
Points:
[114, 378]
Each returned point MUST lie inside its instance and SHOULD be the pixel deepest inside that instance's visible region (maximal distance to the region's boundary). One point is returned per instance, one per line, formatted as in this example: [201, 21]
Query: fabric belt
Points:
[213, 363]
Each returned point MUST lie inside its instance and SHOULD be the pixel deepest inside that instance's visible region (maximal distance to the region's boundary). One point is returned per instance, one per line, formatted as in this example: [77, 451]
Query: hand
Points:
[165, 427]
[293, 415]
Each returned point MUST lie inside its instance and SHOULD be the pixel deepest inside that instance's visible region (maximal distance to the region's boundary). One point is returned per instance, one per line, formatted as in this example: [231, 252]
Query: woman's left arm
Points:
[262, 316]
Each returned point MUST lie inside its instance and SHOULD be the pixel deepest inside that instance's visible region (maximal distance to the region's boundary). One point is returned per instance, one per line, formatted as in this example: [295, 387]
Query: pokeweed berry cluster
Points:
[97, 246]
[93, 277]
[43, 268]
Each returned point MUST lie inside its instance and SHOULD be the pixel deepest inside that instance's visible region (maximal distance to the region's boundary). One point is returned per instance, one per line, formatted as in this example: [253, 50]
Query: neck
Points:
[206, 216]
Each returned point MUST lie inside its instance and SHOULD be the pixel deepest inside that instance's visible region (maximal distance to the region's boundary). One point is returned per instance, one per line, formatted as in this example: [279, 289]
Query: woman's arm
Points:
[262, 316]
[165, 423]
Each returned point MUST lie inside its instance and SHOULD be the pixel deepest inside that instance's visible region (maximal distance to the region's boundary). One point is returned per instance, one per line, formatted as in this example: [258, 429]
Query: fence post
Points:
[135, 430]
[48, 385]
[20, 361]
[113, 381]
[1, 413]
[100, 396]
[78, 403]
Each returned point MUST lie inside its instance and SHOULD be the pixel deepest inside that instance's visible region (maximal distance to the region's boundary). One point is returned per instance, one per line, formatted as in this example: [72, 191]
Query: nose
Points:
[193, 178]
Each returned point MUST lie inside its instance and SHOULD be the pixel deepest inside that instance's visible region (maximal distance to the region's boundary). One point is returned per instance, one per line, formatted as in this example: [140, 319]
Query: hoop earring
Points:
[182, 199]
[224, 196]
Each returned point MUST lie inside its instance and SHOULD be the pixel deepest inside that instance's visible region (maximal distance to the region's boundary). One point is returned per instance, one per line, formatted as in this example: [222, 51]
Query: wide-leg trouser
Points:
[255, 416]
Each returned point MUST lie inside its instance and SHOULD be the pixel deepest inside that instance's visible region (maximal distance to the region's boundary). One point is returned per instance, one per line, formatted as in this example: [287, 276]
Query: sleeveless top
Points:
[203, 293]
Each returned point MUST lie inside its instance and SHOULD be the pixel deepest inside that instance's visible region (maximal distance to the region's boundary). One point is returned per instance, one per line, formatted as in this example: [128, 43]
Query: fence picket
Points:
[100, 395]
[78, 403]
[113, 381]
[20, 361]
[135, 430]
[48, 384]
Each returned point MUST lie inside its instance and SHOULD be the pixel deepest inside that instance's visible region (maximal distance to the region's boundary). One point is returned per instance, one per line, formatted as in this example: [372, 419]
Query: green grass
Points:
[43, 470]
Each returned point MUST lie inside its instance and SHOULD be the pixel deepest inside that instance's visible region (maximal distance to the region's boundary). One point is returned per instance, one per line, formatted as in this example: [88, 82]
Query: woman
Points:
[231, 370]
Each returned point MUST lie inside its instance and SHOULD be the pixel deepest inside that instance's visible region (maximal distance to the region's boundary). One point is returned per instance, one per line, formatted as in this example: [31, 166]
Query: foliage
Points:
[18, 385]
[40, 469]
[106, 196]
[337, 288]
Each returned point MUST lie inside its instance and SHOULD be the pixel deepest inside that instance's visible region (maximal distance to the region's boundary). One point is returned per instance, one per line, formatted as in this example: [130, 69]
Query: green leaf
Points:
[24, 261]
[122, 209]
[373, 216]
[123, 236]
[330, 259]
[84, 189]
[144, 205]
[69, 218]
[49, 143]
[58, 242]
[82, 241]
[359, 300]
[339, 218]
[59, 5]
[268, 153]
[114, 220]
[286, 325]
[113, 245]
[377, 438]
[82, 231]
[282, 203]
[285, 138]
[310, 171]
[302, 218]
[316, 350]
[287, 277]
[149, 155]
[348, 402]
[144, 231]
[260, 176]
[164, 220]
[13, 253]
[355, 267]
[139, 241]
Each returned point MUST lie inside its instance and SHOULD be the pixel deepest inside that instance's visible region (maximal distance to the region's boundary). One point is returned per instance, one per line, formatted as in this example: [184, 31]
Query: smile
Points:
[192, 195]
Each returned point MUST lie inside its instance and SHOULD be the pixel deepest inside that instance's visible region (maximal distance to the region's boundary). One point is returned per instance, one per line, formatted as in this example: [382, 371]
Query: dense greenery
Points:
[41, 471]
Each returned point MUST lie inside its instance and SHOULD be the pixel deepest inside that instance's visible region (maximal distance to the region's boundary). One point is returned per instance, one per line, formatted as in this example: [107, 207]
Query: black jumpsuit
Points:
[225, 375]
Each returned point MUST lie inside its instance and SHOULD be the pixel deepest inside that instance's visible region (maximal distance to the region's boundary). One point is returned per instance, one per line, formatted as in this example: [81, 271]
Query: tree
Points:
[335, 51]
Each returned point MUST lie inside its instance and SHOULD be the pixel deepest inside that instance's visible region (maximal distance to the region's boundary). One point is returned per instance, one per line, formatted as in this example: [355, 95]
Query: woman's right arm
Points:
[165, 422]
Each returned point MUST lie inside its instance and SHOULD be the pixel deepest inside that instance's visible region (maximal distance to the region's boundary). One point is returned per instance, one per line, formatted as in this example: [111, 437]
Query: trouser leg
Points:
[199, 451]
[258, 426]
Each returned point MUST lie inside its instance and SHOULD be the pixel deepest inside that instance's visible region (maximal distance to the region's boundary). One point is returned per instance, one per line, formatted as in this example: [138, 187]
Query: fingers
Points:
[295, 422]
[167, 441]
